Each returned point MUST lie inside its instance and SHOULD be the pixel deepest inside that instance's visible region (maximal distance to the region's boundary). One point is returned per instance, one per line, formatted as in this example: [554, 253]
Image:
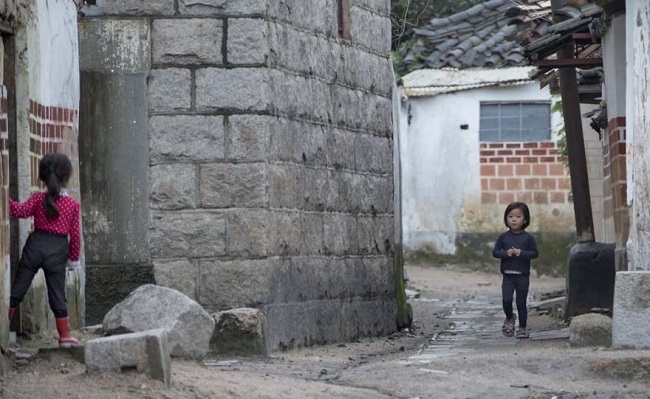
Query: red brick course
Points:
[535, 167]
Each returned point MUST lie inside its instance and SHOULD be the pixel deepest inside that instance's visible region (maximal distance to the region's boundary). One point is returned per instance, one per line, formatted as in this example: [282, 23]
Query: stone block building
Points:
[241, 152]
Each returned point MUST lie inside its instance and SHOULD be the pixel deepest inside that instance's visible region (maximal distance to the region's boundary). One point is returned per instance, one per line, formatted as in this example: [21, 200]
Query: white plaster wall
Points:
[54, 54]
[440, 161]
[638, 131]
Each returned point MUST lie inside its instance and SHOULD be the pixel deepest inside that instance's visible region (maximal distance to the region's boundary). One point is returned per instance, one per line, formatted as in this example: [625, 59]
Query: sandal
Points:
[508, 328]
[523, 333]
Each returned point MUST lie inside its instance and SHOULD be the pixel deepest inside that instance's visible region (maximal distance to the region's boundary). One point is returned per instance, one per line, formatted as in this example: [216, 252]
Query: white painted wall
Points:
[638, 131]
[440, 161]
[54, 54]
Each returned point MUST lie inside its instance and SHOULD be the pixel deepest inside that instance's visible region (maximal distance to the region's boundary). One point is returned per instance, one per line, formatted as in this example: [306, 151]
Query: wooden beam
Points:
[569, 62]
[574, 138]
[588, 51]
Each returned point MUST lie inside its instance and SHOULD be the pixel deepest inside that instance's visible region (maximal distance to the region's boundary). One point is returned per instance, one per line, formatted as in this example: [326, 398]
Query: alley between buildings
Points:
[455, 350]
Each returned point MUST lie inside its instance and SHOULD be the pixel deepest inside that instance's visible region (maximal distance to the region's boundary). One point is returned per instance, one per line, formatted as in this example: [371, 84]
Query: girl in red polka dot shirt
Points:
[56, 217]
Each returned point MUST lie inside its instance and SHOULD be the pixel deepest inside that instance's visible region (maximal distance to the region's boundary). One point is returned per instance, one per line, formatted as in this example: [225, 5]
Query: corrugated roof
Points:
[432, 82]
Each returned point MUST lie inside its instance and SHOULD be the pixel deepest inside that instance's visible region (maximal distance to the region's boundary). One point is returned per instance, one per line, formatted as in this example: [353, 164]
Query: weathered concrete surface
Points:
[123, 278]
[149, 307]
[591, 330]
[147, 352]
[114, 133]
[240, 332]
[631, 316]
[637, 31]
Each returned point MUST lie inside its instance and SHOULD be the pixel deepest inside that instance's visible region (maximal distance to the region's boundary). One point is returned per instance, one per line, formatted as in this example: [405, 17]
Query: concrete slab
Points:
[631, 317]
[147, 352]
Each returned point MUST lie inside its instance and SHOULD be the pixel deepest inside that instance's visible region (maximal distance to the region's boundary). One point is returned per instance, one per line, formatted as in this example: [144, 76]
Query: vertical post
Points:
[9, 80]
[575, 144]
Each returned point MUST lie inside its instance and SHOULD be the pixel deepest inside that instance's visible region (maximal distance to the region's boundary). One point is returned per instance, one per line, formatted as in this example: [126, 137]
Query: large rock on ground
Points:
[240, 332]
[150, 307]
[590, 329]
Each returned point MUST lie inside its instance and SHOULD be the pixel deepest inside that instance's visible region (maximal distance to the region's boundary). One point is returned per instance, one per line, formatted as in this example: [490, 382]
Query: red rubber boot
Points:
[65, 339]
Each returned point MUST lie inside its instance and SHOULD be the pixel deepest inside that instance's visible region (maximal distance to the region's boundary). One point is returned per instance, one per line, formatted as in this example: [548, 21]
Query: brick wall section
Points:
[52, 129]
[531, 172]
[615, 178]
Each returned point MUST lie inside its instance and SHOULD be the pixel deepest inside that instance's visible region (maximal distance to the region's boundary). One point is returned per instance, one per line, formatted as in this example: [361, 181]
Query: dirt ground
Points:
[382, 367]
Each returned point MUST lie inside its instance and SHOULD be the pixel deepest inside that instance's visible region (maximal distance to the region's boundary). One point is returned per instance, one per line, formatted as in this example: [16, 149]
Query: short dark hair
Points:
[517, 205]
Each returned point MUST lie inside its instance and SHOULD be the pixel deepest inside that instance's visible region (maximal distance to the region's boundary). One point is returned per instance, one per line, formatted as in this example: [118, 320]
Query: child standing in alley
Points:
[515, 248]
[56, 216]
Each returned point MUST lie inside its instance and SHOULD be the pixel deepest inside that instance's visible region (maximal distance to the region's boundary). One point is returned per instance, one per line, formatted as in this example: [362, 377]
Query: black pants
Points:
[515, 283]
[49, 252]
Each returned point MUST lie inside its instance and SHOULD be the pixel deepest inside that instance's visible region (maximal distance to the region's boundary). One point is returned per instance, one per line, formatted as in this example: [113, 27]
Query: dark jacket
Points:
[523, 241]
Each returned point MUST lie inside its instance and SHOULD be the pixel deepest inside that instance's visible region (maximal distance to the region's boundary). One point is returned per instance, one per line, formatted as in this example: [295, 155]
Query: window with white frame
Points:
[515, 121]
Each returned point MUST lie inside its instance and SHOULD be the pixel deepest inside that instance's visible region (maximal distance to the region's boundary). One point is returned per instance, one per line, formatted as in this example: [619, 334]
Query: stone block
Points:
[169, 138]
[317, 17]
[590, 330]
[285, 232]
[314, 278]
[136, 7]
[222, 7]
[173, 186]
[381, 7]
[312, 233]
[187, 234]
[320, 57]
[314, 187]
[283, 187]
[248, 41]
[341, 193]
[303, 324]
[339, 234]
[233, 185]
[376, 234]
[311, 99]
[178, 274]
[370, 30]
[240, 332]
[372, 194]
[147, 352]
[631, 315]
[200, 42]
[170, 90]
[243, 89]
[341, 149]
[248, 233]
[249, 137]
[373, 154]
[227, 284]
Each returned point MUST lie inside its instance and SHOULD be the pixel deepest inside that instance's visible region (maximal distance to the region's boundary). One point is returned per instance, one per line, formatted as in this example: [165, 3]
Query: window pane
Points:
[510, 110]
[535, 135]
[515, 122]
[510, 123]
[490, 124]
[510, 135]
[489, 135]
